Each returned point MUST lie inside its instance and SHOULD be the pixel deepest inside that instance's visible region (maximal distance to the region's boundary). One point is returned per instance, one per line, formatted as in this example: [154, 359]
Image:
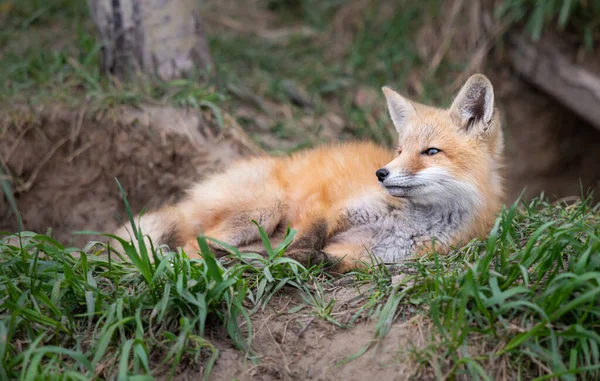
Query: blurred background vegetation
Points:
[297, 73]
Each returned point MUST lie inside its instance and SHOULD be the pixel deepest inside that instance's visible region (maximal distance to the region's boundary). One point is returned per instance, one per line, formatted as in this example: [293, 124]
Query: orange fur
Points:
[316, 191]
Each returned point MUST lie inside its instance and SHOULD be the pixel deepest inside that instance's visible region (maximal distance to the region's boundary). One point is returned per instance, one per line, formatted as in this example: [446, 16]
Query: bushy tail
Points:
[163, 227]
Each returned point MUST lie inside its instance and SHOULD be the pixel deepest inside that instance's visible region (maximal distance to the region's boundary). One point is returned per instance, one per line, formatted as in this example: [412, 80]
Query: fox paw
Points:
[307, 257]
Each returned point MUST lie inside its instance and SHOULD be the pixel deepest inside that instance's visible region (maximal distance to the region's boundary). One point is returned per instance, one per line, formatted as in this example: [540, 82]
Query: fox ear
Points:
[400, 108]
[474, 104]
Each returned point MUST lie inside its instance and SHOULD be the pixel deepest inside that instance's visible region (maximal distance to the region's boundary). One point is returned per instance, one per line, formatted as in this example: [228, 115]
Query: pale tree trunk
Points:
[160, 37]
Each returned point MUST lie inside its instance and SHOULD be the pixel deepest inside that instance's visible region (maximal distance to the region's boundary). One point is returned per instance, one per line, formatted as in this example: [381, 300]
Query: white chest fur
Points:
[392, 234]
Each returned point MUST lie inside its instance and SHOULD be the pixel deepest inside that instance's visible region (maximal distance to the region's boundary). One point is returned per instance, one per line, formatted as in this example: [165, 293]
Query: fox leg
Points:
[307, 248]
[223, 207]
[238, 229]
[339, 257]
[169, 226]
[315, 221]
[345, 257]
[348, 249]
[316, 225]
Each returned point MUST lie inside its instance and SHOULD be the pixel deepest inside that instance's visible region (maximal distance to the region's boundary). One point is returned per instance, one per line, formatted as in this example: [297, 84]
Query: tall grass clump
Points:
[529, 294]
[64, 312]
[133, 314]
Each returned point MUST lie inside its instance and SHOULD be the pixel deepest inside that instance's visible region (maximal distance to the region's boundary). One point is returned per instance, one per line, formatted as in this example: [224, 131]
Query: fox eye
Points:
[431, 151]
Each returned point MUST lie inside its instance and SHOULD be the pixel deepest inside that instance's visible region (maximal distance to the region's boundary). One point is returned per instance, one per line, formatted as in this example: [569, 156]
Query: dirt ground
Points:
[66, 162]
[548, 148]
[296, 345]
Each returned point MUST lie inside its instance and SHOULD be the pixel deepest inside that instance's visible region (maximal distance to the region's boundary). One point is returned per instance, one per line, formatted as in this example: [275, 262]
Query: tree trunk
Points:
[161, 37]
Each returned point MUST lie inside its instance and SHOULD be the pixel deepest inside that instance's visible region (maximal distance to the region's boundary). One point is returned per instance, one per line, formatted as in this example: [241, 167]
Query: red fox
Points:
[443, 184]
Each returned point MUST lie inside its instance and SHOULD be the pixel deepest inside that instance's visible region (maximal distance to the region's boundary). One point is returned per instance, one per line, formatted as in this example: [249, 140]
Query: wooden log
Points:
[161, 37]
[550, 69]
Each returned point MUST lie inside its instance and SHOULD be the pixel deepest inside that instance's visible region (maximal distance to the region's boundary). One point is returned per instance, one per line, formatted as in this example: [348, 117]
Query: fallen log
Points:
[545, 65]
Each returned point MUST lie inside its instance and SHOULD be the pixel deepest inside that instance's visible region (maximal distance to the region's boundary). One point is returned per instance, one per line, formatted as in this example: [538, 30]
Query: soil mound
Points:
[63, 164]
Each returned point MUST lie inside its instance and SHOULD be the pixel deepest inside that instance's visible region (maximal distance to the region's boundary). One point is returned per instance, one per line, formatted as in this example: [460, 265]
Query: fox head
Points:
[446, 155]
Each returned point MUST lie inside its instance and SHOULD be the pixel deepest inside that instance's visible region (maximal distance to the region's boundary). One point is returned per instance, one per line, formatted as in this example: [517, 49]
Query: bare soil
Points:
[299, 346]
[548, 148]
[64, 164]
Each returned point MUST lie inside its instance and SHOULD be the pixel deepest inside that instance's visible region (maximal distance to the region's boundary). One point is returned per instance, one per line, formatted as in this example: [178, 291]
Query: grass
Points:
[50, 54]
[330, 66]
[529, 294]
[66, 311]
[577, 16]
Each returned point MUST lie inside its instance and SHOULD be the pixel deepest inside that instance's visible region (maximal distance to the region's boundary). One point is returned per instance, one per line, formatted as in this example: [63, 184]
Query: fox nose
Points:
[382, 174]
